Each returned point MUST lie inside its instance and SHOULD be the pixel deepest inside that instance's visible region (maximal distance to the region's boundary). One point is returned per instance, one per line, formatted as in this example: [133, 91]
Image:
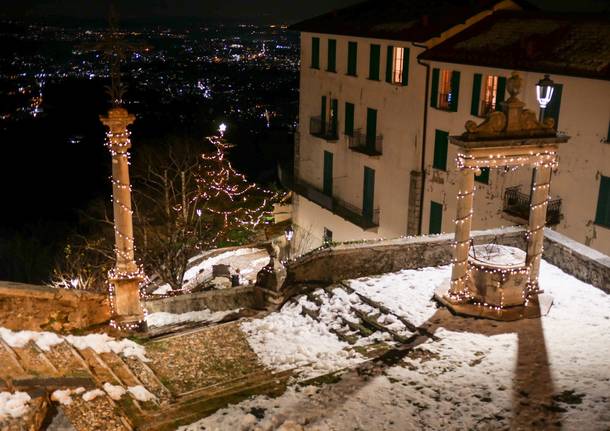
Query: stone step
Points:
[149, 380]
[120, 369]
[99, 369]
[190, 410]
[99, 414]
[11, 367]
[385, 310]
[342, 335]
[64, 359]
[34, 361]
[375, 323]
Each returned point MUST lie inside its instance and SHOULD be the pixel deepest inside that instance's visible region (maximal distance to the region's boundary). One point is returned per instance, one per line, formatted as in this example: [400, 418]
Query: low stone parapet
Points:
[213, 300]
[347, 261]
[30, 307]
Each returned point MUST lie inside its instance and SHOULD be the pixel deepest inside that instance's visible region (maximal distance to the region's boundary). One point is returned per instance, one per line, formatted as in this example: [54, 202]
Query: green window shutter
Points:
[328, 173]
[315, 52]
[436, 218]
[476, 94]
[484, 177]
[608, 135]
[374, 62]
[441, 144]
[500, 95]
[434, 90]
[455, 90]
[352, 58]
[389, 63]
[368, 194]
[323, 114]
[405, 67]
[334, 116]
[332, 55]
[552, 109]
[371, 127]
[349, 119]
[602, 216]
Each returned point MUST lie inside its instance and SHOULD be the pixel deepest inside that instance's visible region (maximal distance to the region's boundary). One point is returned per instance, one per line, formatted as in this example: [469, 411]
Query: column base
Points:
[128, 312]
[537, 306]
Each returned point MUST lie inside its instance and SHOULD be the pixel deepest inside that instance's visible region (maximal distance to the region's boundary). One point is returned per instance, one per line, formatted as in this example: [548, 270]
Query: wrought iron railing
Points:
[517, 204]
[335, 205]
[363, 143]
[321, 129]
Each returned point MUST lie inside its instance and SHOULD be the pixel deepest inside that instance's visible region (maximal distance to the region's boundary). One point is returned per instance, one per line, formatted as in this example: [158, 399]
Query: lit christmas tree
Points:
[229, 202]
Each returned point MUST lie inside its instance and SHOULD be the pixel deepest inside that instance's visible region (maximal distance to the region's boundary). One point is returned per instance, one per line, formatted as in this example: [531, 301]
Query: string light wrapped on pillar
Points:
[508, 139]
[126, 279]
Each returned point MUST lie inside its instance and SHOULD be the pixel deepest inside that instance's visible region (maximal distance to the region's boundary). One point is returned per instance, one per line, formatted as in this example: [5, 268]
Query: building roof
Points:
[576, 45]
[407, 20]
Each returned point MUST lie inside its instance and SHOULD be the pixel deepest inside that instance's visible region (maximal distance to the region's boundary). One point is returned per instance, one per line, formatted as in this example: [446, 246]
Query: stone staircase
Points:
[356, 319]
[63, 366]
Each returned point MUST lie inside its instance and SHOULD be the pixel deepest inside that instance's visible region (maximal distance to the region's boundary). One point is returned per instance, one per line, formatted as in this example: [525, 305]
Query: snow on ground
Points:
[115, 392]
[140, 393]
[93, 394]
[101, 343]
[288, 340]
[549, 373]
[163, 319]
[249, 261]
[44, 340]
[13, 405]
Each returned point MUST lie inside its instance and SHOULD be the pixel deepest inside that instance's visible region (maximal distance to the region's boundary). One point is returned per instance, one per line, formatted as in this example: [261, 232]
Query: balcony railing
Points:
[321, 129]
[362, 143]
[337, 206]
[517, 204]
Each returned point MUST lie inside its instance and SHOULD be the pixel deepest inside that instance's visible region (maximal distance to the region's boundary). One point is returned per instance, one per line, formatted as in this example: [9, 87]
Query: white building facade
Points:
[372, 158]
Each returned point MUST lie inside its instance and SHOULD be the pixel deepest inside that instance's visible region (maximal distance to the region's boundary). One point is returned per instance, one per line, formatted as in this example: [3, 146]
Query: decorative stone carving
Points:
[512, 121]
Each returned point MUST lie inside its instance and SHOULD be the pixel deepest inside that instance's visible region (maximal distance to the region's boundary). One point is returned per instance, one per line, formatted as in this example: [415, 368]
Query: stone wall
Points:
[29, 307]
[346, 261]
[214, 300]
[577, 259]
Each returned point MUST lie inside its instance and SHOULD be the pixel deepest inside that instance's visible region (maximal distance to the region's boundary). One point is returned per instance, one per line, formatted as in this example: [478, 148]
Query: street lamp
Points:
[544, 93]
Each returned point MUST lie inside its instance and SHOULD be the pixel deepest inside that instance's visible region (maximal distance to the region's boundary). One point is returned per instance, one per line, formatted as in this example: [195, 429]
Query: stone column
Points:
[463, 225]
[126, 276]
[539, 201]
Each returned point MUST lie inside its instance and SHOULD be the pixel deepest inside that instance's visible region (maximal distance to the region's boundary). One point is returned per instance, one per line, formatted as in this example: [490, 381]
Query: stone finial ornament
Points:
[512, 121]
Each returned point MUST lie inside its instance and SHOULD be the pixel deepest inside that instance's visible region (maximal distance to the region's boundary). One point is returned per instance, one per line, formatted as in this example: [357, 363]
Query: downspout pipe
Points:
[424, 138]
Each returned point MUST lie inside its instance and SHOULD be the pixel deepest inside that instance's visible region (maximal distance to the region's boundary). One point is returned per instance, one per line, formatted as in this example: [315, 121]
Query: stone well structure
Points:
[510, 138]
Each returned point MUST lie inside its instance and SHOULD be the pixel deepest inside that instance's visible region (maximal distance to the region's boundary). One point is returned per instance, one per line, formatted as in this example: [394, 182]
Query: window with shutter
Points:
[332, 55]
[349, 119]
[441, 144]
[436, 218]
[352, 58]
[602, 215]
[374, 62]
[552, 109]
[405, 66]
[315, 52]
[368, 195]
[476, 94]
[434, 89]
[328, 173]
[389, 65]
[483, 177]
[371, 128]
[454, 94]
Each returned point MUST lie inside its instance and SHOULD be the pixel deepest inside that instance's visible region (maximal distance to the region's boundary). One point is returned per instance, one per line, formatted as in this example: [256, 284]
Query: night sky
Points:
[251, 10]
